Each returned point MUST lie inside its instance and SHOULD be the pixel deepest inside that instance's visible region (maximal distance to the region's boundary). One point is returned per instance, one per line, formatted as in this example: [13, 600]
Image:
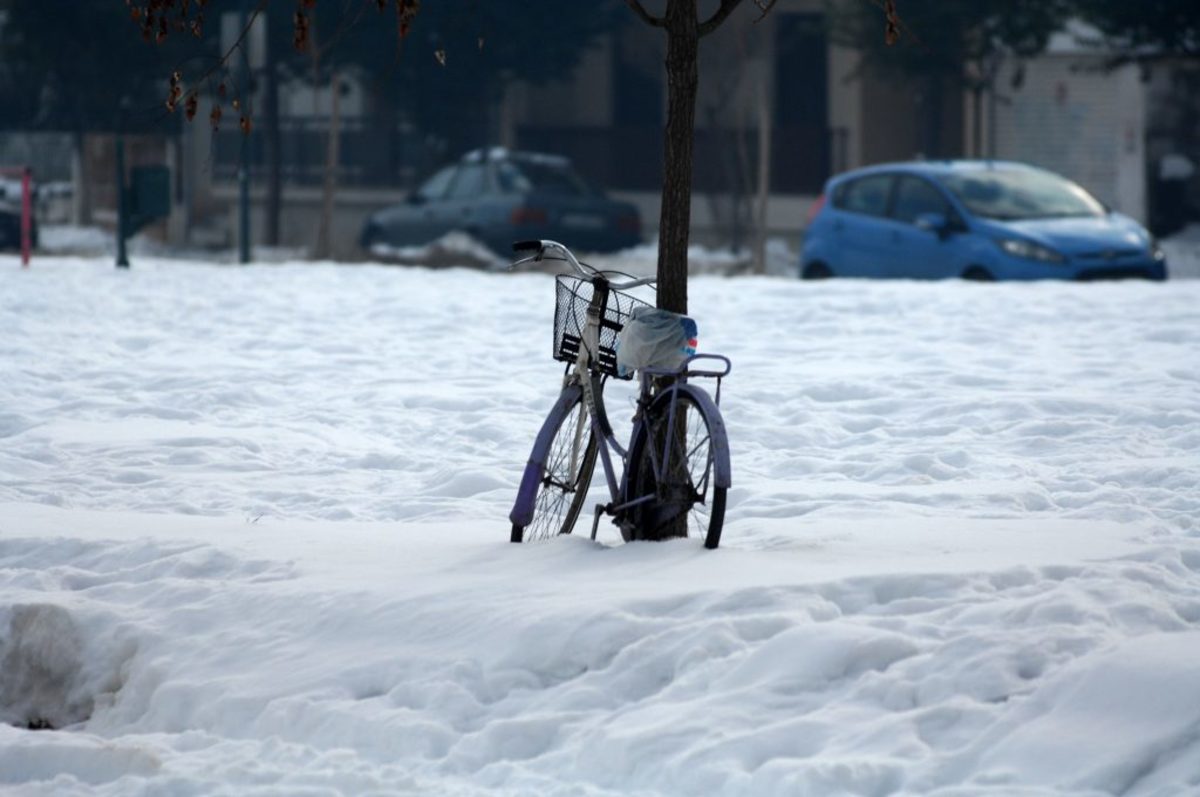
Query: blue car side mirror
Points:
[933, 222]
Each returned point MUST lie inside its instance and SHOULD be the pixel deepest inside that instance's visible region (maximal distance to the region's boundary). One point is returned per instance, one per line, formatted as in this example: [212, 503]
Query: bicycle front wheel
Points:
[566, 474]
[674, 475]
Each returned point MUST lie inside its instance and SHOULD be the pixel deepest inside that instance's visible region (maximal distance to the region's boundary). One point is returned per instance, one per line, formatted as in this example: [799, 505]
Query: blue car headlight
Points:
[1156, 251]
[1028, 250]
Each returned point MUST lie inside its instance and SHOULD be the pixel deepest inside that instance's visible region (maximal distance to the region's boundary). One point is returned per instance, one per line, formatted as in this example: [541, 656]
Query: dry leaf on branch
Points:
[891, 33]
[158, 19]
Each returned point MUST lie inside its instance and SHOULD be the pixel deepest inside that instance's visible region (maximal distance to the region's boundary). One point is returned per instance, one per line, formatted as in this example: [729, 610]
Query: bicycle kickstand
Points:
[596, 522]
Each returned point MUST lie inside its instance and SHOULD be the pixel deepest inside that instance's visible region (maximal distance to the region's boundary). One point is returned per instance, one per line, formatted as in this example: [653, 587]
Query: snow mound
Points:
[51, 674]
[1183, 253]
[452, 249]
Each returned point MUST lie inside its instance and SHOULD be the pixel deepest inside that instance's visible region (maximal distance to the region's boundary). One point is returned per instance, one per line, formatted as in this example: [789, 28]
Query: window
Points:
[470, 183]
[435, 187]
[915, 196]
[1013, 194]
[550, 176]
[867, 195]
[510, 180]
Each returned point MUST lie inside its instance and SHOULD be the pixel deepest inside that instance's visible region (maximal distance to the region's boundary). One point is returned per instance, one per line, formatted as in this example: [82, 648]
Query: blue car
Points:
[982, 220]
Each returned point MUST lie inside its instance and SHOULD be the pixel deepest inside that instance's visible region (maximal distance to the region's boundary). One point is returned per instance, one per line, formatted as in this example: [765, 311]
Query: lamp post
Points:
[122, 192]
[244, 163]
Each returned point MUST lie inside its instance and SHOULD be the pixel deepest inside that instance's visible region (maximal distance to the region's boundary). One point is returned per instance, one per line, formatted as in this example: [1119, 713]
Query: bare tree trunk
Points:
[740, 179]
[724, 200]
[744, 210]
[332, 157]
[684, 30]
[675, 217]
[932, 108]
[274, 147]
[977, 120]
[764, 179]
[81, 203]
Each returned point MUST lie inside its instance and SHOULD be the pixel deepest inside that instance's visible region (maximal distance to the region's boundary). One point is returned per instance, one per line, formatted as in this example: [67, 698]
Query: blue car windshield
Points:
[1015, 194]
[547, 177]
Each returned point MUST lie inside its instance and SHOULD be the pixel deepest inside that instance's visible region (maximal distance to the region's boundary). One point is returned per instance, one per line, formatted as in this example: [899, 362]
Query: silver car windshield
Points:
[1015, 194]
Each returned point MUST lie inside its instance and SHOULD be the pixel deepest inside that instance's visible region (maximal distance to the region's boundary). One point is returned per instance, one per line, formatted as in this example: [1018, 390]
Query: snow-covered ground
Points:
[253, 541]
[1183, 253]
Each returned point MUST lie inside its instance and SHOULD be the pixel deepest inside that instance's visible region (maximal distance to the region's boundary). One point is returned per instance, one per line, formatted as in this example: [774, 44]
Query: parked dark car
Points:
[10, 229]
[986, 220]
[499, 196]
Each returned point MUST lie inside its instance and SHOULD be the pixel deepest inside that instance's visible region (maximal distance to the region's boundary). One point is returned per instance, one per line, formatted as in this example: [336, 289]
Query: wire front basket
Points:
[570, 319]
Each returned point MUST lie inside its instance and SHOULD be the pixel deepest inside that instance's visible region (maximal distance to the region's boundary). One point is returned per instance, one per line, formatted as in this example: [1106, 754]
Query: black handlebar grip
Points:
[527, 246]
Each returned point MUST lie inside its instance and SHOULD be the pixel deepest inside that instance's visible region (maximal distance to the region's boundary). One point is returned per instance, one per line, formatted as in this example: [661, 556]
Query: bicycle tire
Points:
[553, 514]
[692, 494]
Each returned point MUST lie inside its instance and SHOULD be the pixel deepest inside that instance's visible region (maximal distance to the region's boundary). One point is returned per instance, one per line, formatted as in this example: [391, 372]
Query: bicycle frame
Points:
[583, 383]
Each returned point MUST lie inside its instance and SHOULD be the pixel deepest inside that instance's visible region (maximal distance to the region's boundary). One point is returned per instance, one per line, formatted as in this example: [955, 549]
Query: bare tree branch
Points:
[646, 16]
[727, 7]
[765, 7]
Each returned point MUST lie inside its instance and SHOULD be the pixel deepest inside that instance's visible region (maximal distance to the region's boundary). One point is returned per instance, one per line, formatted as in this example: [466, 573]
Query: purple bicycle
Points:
[675, 471]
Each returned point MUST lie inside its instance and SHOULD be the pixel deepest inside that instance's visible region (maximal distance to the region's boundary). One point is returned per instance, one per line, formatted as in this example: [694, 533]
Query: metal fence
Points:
[370, 155]
[621, 158]
[48, 154]
[631, 158]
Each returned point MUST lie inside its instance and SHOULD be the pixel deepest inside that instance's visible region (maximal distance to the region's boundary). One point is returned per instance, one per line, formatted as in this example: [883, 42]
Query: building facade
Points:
[781, 107]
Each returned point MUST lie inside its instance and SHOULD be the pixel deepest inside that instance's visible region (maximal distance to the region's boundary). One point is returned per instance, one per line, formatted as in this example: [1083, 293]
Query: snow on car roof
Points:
[503, 153]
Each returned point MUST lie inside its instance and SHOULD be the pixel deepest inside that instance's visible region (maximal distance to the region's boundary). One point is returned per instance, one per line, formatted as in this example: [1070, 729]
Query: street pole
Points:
[26, 215]
[122, 205]
[244, 165]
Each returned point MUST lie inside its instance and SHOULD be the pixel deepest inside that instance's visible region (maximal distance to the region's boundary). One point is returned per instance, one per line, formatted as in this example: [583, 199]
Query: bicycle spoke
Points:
[568, 466]
[701, 485]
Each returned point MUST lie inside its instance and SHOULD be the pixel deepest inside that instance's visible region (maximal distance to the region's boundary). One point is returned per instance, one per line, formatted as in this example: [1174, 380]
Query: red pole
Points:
[26, 215]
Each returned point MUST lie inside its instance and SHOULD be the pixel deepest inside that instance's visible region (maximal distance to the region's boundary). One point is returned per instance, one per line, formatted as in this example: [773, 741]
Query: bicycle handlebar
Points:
[540, 247]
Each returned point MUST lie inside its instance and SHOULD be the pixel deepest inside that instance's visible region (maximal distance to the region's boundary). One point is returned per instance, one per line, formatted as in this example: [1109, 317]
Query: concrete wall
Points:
[1088, 124]
[301, 217]
[786, 215]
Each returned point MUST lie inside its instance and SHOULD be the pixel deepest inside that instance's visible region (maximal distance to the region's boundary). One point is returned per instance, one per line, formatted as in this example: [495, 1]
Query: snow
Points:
[452, 249]
[1175, 166]
[60, 239]
[253, 541]
[1183, 252]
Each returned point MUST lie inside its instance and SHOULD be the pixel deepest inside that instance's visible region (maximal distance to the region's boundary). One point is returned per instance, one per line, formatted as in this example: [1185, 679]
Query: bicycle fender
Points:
[522, 511]
[716, 427]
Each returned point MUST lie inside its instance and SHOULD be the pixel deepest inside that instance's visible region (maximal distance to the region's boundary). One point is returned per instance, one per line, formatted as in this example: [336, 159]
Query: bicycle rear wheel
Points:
[674, 462]
[566, 474]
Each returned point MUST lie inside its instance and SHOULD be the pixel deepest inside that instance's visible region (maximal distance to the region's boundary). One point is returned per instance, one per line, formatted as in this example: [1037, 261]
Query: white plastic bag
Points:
[655, 338]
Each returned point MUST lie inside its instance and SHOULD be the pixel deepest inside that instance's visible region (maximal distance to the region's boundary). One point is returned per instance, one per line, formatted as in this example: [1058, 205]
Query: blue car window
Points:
[867, 195]
[915, 196]
[1011, 194]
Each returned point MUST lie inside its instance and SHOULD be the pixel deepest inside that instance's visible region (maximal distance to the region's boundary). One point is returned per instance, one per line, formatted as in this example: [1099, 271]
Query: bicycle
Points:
[675, 472]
